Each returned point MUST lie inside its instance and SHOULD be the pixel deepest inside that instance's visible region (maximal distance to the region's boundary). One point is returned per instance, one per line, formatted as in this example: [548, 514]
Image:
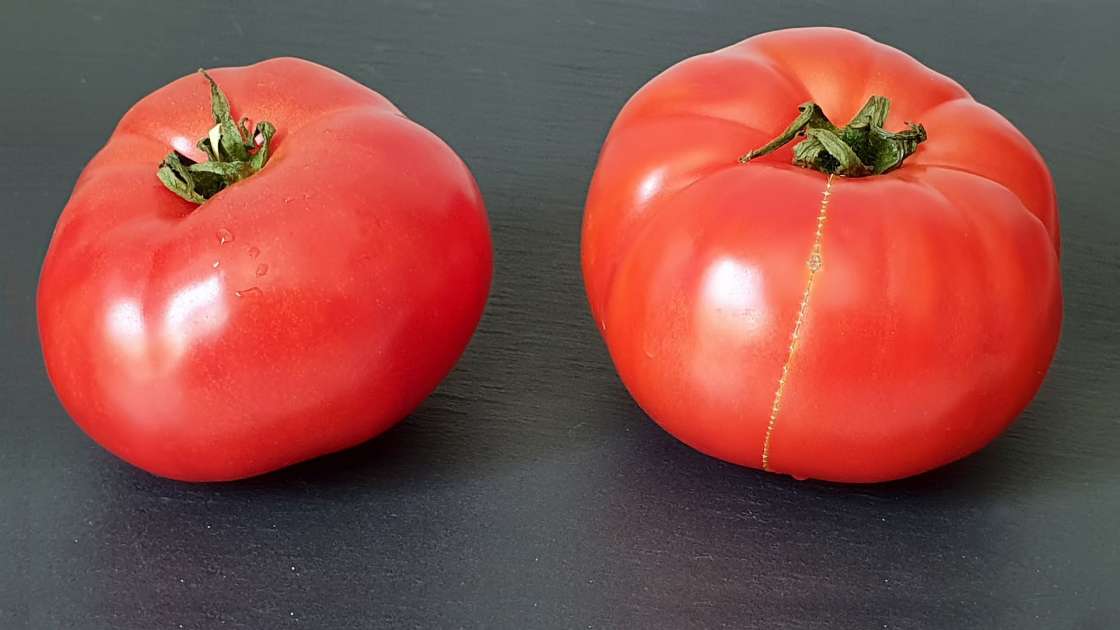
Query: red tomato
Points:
[297, 312]
[854, 329]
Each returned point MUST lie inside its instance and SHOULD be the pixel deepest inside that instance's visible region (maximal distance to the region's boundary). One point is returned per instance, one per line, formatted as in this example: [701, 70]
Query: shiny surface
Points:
[298, 312]
[529, 490]
[935, 301]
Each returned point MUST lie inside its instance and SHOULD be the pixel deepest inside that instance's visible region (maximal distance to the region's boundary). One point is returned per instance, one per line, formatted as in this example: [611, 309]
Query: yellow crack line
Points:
[814, 263]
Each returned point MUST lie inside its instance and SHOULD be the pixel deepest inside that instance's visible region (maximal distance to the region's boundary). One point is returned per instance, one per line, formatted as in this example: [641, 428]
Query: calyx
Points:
[860, 148]
[234, 153]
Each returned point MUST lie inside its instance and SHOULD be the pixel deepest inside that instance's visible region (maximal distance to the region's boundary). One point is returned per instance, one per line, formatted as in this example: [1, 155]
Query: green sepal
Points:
[175, 176]
[861, 148]
[265, 130]
[232, 151]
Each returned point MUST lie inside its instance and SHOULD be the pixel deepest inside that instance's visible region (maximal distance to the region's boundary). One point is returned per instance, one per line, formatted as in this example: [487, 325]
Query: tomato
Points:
[277, 308]
[823, 319]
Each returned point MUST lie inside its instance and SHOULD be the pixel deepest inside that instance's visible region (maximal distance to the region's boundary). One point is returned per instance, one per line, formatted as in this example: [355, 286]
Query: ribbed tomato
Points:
[885, 305]
[273, 294]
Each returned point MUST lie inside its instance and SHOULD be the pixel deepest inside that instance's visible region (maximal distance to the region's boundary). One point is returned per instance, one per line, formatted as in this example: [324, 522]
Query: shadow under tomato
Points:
[978, 533]
[872, 555]
[431, 442]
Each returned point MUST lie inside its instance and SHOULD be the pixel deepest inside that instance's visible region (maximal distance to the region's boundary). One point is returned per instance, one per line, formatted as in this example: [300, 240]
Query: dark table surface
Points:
[529, 490]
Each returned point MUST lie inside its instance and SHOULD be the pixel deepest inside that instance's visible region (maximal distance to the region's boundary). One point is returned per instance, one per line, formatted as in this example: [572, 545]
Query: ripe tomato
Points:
[839, 321]
[250, 320]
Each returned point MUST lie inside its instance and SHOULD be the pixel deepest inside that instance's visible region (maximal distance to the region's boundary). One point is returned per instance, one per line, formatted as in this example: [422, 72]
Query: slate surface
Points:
[529, 490]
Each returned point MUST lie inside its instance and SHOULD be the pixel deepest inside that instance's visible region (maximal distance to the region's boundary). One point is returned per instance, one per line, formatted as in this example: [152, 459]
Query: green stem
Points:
[859, 149]
[234, 153]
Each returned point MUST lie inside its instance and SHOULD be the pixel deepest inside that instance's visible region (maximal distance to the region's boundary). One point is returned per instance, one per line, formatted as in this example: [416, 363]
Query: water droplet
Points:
[815, 262]
[247, 293]
[262, 269]
[216, 263]
[254, 252]
[224, 236]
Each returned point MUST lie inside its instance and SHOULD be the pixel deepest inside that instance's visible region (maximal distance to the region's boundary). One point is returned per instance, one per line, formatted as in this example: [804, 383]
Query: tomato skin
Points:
[298, 312]
[926, 330]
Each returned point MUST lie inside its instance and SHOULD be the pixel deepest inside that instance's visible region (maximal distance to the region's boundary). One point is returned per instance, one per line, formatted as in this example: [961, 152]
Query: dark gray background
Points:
[529, 490]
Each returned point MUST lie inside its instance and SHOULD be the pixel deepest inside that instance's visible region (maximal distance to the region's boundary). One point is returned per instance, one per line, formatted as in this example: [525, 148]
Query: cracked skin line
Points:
[814, 262]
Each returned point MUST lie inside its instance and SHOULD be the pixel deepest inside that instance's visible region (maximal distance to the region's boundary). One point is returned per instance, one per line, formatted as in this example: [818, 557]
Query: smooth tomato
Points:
[299, 311]
[853, 329]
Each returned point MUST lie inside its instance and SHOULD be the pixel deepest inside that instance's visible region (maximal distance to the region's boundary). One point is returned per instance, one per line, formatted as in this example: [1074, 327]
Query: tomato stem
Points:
[234, 153]
[859, 149]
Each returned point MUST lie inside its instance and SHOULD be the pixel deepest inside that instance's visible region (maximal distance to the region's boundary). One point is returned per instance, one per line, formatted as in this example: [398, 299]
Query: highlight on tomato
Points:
[262, 265]
[811, 254]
